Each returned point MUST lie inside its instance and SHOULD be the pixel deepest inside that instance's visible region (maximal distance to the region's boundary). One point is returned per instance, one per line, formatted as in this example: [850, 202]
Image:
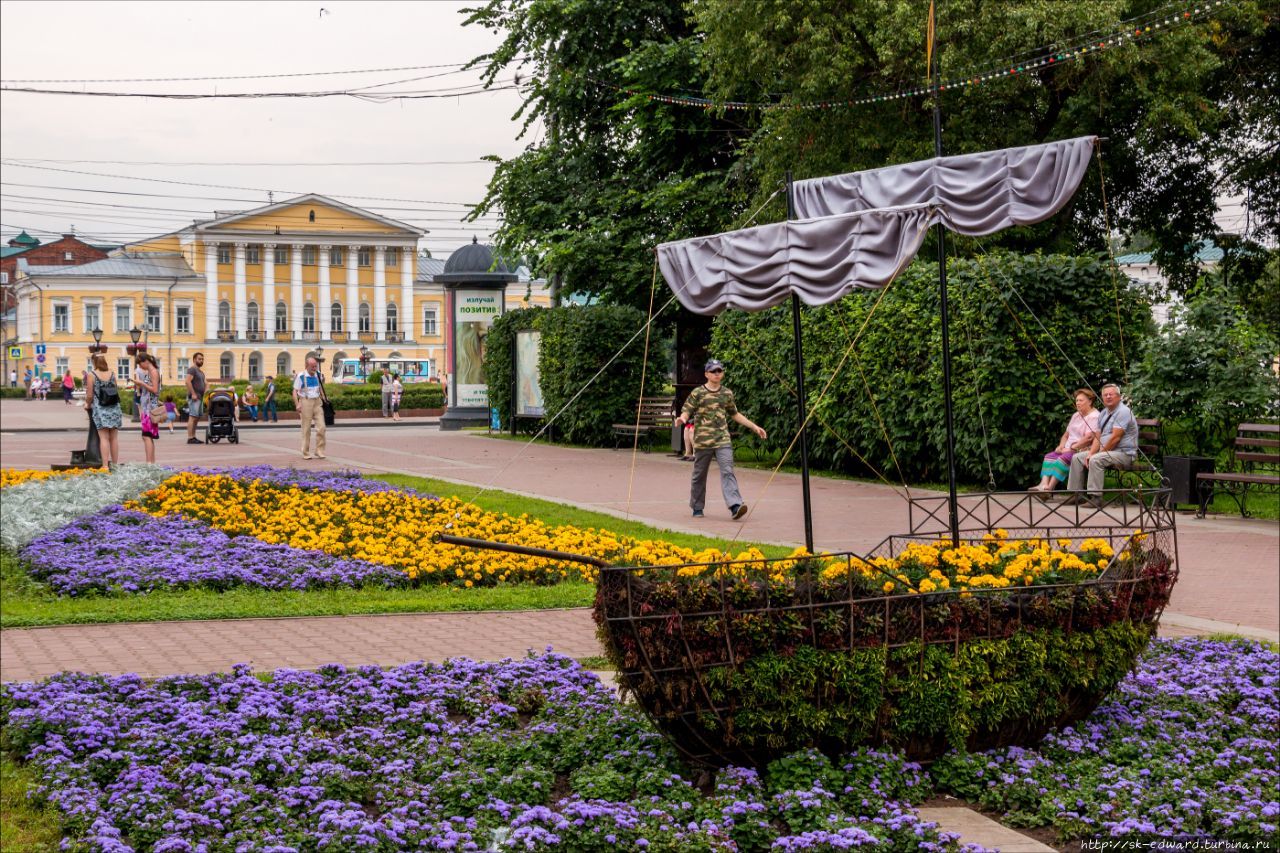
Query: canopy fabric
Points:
[818, 259]
[861, 229]
[976, 194]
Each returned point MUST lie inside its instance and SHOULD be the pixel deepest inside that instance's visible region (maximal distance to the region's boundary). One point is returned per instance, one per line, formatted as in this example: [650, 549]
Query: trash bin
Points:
[1181, 473]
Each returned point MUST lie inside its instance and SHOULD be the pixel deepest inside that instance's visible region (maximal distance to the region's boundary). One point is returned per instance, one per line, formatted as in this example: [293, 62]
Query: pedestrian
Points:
[269, 402]
[308, 399]
[170, 414]
[146, 388]
[386, 393]
[68, 387]
[397, 391]
[195, 396]
[26, 381]
[709, 408]
[103, 399]
[251, 403]
[42, 386]
[13, 378]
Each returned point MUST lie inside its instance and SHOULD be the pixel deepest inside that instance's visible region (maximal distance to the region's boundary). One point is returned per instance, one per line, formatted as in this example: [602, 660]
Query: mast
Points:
[953, 518]
[801, 397]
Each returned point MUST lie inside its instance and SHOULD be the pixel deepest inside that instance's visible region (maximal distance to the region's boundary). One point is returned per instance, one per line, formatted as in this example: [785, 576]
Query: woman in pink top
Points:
[1081, 430]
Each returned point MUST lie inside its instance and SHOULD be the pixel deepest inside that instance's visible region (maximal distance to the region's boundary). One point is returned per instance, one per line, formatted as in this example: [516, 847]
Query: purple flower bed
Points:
[524, 755]
[118, 549]
[334, 481]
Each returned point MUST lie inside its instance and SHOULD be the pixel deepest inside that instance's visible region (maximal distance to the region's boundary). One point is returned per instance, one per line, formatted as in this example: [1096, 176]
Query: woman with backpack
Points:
[103, 399]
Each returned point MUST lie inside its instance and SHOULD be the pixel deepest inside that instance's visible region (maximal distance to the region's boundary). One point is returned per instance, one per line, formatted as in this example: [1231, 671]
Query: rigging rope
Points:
[977, 395]
[1115, 284]
[884, 430]
[644, 369]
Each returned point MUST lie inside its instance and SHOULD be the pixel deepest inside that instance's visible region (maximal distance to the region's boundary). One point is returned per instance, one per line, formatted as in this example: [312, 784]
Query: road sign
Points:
[40, 349]
[15, 352]
[40, 358]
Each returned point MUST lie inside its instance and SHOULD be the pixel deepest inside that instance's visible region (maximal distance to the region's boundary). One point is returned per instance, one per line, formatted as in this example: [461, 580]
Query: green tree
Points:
[1191, 113]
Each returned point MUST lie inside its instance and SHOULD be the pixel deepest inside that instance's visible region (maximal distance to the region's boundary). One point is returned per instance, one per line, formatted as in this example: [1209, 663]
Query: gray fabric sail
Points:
[861, 229]
[818, 259]
[975, 194]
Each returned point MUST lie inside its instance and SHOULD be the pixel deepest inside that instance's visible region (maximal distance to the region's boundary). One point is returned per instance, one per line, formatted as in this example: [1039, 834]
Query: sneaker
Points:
[321, 456]
[194, 441]
[307, 456]
[738, 511]
[697, 513]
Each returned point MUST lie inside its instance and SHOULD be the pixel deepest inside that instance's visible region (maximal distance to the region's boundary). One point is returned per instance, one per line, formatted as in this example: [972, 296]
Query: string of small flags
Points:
[1082, 50]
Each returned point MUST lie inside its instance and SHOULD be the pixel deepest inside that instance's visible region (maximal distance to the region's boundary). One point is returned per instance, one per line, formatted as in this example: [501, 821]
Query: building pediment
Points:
[307, 216]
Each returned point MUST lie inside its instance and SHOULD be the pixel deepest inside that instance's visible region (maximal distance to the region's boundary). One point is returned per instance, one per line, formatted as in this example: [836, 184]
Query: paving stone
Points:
[976, 828]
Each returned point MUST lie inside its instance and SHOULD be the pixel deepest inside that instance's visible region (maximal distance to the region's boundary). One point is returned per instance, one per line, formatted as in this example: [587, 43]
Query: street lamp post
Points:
[91, 456]
[365, 355]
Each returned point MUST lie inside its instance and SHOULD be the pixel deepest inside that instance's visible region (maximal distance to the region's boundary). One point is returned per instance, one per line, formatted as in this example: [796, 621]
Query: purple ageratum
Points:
[122, 550]
[332, 481]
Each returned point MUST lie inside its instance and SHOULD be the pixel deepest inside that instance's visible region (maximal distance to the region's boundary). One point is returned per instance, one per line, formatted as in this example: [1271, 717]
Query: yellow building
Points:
[255, 291]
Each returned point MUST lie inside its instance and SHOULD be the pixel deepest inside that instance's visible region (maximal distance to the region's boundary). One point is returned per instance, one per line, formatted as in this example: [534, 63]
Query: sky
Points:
[308, 144]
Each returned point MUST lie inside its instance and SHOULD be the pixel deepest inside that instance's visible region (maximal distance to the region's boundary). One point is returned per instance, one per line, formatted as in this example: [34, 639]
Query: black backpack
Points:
[106, 393]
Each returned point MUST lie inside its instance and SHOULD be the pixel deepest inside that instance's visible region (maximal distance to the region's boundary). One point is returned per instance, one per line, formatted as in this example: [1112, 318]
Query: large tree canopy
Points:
[1191, 114]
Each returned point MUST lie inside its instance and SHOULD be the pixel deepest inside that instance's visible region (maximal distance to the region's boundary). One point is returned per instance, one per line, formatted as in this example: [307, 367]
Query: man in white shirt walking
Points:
[308, 398]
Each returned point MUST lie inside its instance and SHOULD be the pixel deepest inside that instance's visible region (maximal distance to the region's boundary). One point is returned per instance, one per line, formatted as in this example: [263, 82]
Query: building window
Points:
[224, 316]
[335, 257]
[153, 317]
[61, 365]
[4, 278]
[393, 318]
[308, 256]
[281, 255]
[182, 319]
[252, 255]
[184, 364]
[430, 321]
[282, 317]
[68, 256]
[124, 317]
[282, 364]
[363, 257]
[123, 366]
[227, 366]
[62, 318]
[335, 317]
[224, 254]
[393, 257]
[255, 367]
[309, 317]
[92, 316]
[366, 319]
[251, 318]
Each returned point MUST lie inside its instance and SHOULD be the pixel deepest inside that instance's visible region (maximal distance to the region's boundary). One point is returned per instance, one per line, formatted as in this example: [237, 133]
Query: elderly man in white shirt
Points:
[308, 399]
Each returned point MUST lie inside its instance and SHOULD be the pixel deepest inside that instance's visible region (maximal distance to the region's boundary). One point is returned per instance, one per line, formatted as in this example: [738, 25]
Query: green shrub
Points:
[1014, 369]
[1209, 370]
[577, 345]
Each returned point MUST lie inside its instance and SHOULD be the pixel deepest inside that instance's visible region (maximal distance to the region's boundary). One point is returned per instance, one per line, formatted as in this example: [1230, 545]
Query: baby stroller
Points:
[222, 417]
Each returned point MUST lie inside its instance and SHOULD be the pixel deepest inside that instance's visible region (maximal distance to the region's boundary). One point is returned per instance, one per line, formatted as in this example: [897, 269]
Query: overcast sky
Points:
[59, 41]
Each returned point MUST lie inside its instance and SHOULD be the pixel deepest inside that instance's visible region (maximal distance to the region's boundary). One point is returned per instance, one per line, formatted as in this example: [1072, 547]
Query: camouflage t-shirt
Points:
[709, 412]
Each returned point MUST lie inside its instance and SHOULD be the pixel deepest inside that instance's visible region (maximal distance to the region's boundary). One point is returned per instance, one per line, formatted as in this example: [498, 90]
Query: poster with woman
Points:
[474, 313]
[528, 389]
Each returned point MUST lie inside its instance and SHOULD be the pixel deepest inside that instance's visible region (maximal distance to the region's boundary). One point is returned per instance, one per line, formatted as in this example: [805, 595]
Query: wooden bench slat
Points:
[1226, 476]
[1259, 428]
[1264, 458]
[1258, 442]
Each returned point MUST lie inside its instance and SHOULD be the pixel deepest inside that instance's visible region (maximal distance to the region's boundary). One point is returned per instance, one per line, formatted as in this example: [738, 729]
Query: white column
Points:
[211, 291]
[408, 266]
[351, 309]
[268, 312]
[295, 290]
[380, 292]
[322, 316]
[240, 315]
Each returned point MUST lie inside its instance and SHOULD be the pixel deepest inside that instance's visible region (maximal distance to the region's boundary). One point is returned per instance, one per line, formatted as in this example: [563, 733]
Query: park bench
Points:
[1148, 460]
[1254, 466]
[656, 415]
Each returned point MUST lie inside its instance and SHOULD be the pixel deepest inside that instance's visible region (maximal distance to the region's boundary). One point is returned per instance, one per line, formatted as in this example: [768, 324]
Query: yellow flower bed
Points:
[16, 476]
[395, 529]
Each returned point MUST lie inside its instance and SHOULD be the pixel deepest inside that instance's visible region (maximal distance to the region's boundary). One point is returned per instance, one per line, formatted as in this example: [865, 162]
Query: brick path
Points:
[1229, 578]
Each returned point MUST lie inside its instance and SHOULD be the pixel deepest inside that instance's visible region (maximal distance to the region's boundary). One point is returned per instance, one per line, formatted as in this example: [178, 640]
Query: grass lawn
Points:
[26, 603]
[24, 826]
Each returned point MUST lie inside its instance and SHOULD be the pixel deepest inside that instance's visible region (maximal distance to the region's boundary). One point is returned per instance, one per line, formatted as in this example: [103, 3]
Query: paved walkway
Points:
[1229, 577]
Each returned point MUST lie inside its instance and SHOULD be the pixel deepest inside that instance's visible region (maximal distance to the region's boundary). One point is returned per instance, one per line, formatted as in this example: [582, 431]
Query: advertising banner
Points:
[474, 313]
[528, 390]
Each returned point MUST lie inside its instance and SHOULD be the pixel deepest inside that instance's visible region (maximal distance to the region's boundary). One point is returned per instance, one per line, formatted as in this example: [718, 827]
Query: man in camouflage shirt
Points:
[710, 407]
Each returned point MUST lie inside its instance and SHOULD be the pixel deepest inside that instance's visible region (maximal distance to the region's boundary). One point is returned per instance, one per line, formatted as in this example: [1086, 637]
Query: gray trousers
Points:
[1098, 465]
[728, 480]
[386, 403]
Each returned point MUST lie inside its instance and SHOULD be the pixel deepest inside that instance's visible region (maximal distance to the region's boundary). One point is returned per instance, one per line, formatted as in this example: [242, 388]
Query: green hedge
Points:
[1012, 367]
[419, 395]
[577, 342]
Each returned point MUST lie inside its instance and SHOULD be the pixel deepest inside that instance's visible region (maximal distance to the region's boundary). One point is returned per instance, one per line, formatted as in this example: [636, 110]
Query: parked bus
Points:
[353, 371]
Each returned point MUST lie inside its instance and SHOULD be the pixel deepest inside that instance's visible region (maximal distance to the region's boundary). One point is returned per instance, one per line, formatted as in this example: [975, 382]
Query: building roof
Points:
[137, 266]
[1208, 253]
[475, 262]
[10, 251]
[429, 268]
[230, 218]
[26, 239]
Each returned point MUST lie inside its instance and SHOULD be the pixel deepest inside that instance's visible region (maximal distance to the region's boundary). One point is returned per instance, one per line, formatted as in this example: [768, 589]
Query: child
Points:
[170, 414]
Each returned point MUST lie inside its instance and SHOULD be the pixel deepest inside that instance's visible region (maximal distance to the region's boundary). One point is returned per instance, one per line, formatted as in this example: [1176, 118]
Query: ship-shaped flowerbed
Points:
[741, 662]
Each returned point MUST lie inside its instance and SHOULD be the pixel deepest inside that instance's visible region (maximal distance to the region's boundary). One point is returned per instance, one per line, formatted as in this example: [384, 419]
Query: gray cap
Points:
[713, 364]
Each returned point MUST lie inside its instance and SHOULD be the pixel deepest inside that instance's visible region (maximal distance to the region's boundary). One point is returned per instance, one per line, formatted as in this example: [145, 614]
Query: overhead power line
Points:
[240, 76]
[231, 163]
[360, 94]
